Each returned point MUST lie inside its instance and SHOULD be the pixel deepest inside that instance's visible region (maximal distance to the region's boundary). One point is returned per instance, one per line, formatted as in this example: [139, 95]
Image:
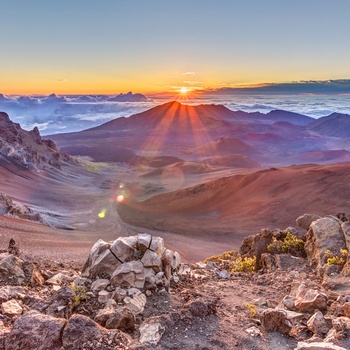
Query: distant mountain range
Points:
[188, 132]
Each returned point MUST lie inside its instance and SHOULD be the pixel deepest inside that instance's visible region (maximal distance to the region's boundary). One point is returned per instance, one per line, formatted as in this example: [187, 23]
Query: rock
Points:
[318, 346]
[324, 234]
[61, 304]
[256, 245]
[105, 264]
[11, 308]
[224, 274]
[104, 296]
[346, 309]
[289, 303]
[285, 262]
[151, 333]
[126, 275]
[11, 271]
[143, 241]
[121, 318]
[99, 284]
[304, 221]
[157, 245]
[318, 325]
[13, 248]
[79, 331]
[136, 304]
[34, 330]
[310, 299]
[12, 292]
[119, 294]
[59, 278]
[152, 260]
[275, 320]
[123, 248]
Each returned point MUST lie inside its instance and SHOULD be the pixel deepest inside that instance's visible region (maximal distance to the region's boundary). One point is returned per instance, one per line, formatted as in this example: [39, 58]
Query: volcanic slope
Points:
[237, 205]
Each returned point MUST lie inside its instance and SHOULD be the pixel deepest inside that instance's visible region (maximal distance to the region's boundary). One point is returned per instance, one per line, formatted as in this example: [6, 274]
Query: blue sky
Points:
[152, 45]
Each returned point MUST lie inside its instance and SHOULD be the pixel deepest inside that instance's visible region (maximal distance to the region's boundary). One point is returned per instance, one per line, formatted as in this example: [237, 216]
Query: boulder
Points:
[304, 221]
[256, 245]
[34, 330]
[275, 320]
[324, 234]
[80, 331]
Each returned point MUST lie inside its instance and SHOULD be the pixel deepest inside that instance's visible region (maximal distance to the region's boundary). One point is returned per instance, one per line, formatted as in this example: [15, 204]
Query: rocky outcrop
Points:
[27, 148]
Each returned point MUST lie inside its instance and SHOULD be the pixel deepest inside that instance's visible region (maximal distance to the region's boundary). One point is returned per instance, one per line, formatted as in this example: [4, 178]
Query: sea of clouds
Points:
[61, 114]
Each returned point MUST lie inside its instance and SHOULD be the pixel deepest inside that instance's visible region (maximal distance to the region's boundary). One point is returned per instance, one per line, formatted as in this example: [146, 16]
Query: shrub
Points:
[291, 245]
[336, 259]
[251, 309]
[243, 264]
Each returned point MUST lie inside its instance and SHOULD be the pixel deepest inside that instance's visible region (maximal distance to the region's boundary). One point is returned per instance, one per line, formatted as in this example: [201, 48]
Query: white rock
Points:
[143, 241]
[100, 284]
[123, 248]
[151, 259]
[151, 333]
[157, 245]
[318, 346]
[11, 308]
[136, 304]
[104, 296]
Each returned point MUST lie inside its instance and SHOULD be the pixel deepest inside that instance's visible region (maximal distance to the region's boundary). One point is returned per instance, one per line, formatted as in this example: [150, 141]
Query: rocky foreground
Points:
[284, 289]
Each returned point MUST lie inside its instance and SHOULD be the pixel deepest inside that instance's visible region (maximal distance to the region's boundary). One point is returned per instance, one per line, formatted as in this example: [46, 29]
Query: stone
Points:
[99, 284]
[104, 296]
[13, 248]
[12, 292]
[59, 278]
[123, 248]
[11, 308]
[62, 303]
[275, 320]
[224, 274]
[256, 245]
[151, 259]
[129, 274]
[79, 331]
[318, 325]
[11, 271]
[324, 234]
[289, 303]
[310, 299]
[318, 346]
[119, 294]
[304, 221]
[136, 304]
[346, 309]
[151, 333]
[157, 245]
[143, 241]
[34, 330]
[121, 318]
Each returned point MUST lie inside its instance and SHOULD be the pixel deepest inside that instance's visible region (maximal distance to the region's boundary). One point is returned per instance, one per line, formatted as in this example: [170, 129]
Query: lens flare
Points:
[102, 213]
[120, 198]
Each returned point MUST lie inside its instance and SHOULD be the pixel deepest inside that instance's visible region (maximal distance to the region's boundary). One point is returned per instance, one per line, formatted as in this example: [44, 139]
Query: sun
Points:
[183, 90]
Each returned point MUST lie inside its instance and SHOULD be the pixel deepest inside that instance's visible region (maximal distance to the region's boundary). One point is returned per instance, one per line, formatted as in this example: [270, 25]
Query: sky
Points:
[149, 46]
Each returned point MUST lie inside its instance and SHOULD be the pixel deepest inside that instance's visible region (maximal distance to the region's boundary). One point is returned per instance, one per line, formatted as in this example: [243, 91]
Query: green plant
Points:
[245, 264]
[336, 259]
[290, 244]
[251, 309]
[80, 294]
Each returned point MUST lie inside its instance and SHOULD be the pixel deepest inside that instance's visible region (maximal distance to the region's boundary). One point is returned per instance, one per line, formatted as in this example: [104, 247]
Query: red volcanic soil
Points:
[233, 160]
[236, 206]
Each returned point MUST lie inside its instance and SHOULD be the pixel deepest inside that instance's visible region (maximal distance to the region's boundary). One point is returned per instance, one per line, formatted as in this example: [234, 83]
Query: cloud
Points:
[189, 73]
[62, 80]
[341, 86]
